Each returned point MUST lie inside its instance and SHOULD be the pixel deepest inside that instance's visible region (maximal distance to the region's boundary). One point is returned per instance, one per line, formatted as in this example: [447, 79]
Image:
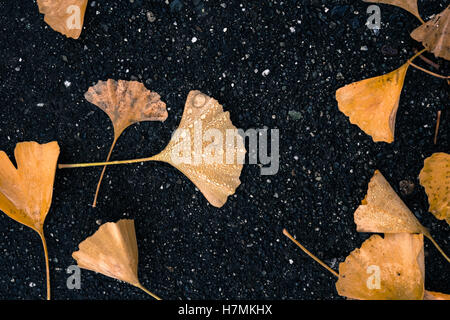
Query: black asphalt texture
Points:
[189, 249]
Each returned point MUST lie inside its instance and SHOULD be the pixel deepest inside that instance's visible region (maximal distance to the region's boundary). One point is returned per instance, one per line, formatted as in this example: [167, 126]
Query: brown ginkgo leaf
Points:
[435, 178]
[26, 191]
[64, 16]
[389, 268]
[206, 147]
[112, 251]
[382, 211]
[408, 5]
[372, 103]
[126, 103]
[435, 34]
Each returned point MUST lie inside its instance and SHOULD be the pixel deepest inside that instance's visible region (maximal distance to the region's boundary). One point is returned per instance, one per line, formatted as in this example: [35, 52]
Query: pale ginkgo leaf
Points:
[112, 251]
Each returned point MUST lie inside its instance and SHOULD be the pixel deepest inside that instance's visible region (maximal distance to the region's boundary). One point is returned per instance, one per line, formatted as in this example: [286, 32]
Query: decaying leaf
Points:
[408, 5]
[26, 192]
[435, 178]
[64, 16]
[112, 251]
[435, 34]
[372, 103]
[126, 103]
[389, 268]
[201, 149]
[430, 295]
[383, 211]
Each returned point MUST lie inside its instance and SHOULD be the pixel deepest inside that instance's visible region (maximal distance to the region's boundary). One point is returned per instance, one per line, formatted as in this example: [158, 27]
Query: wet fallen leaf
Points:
[382, 211]
[201, 150]
[435, 178]
[389, 268]
[112, 251]
[372, 103]
[64, 16]
[408, 5]
[435, 34]
[216, 180]
[26, 192]
[126, 103]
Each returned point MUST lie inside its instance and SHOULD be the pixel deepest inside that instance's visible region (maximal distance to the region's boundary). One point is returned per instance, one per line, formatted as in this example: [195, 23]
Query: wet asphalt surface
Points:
[187, 248]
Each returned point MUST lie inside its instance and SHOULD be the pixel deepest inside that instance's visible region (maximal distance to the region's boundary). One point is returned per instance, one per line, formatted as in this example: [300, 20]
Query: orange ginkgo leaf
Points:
[382, 211]
[408, 5]
[64, 16]
[435, 178]
[112, 251]
[26, 192]
[389, 268]
[430, 295]
[126, 103]
[372, 103]
[206, 147]
[435, 34]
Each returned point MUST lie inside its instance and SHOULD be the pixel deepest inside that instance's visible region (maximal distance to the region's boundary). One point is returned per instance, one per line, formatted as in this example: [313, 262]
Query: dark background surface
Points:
[189, 249]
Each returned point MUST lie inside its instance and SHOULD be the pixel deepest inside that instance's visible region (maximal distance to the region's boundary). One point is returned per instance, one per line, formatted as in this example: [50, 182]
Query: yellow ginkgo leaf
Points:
[26, 192]
[64, 16]
[435, 34]
[206, 147]
[200, 149]
[372, 103]
[112, 251]
[382, 269]
[408, 5]
[382, 211]
[435, 178]
[389, 268]
[126, 103]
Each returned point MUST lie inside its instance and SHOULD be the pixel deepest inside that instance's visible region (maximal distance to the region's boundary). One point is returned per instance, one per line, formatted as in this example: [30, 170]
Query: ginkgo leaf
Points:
[126, 103]
[435, 34]
[408, 5]
[435, 178]
[206, 147]
[26, 192]
[382, 211]
[376, 270]
[430, 295]
[206, 164]
[372, 103]
[389, 268]
[64, 16]
[112, 251]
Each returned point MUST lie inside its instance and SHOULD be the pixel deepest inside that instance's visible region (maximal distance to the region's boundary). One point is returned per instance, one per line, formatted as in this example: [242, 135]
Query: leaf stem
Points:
[140, 286]
[47, 267]
[437, 247]
[310, 254]
[429, 72]
[436, 131]
[94, 204]
[96, 164]
[416, 55]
